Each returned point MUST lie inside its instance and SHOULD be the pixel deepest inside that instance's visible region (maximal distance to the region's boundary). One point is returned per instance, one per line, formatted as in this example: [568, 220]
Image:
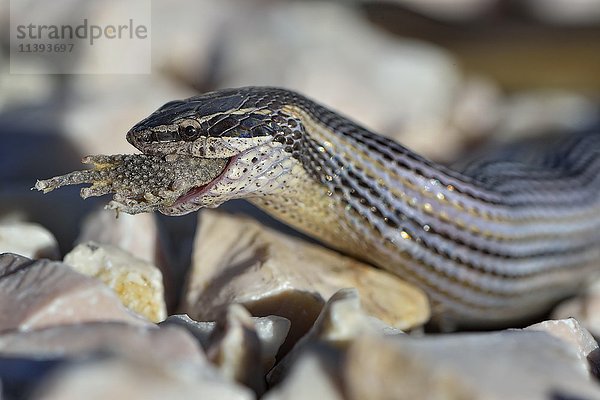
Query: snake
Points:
[496, 241]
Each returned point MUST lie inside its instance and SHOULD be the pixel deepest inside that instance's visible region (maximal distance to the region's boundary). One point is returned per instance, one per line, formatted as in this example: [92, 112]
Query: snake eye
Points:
[188, 132]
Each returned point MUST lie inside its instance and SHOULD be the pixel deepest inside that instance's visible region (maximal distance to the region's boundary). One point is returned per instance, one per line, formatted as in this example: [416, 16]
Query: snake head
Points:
[249, 126]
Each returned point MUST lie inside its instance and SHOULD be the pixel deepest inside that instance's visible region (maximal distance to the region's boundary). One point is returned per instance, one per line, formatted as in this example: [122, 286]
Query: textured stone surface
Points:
[504, 365]
[28, 239]
[237, 260]
[137, 282]
[38, 294]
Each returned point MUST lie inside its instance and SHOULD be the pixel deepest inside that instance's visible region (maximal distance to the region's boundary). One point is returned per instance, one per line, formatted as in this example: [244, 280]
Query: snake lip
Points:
[198, 191]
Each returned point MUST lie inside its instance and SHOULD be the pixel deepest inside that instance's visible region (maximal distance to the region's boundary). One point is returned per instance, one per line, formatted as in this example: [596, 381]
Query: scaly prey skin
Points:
[497, 243]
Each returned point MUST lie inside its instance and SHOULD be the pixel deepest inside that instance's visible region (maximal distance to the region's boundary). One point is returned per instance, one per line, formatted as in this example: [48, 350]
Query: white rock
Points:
[237, 260]
[126, 379]
[235, 349]
[571, 332]
[28, 239]
[341, 320]
[271, 330]
[166, 345]
[308, 379]
[585, 308]
[138, 283]
[38, 294]
[504, 365]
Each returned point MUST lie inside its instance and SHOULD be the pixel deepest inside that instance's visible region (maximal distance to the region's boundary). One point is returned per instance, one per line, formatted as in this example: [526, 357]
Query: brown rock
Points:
[38, 294]
[237, 260]
[138, 283]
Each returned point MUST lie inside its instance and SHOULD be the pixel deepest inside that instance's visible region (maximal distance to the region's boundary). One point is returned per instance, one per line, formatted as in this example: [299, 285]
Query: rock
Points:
[138, 283]
[341, 320]
[565, 12]
[503, 365]
[161, 345]
[237, 260]
[271, 330]
[308, 379]
[29, 240]
[571, 332]
[137, 234]
[235, 348]
[585, 308]
[116, 378]
[43, 293]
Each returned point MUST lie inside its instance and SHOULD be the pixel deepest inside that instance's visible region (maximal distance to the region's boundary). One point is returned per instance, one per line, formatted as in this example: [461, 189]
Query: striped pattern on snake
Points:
[493, 243]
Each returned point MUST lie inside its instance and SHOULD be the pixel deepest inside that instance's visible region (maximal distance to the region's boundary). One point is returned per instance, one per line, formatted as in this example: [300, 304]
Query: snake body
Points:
[494, 243]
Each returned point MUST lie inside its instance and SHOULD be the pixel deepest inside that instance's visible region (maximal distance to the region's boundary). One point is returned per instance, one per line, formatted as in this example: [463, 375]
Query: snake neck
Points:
[506, 238]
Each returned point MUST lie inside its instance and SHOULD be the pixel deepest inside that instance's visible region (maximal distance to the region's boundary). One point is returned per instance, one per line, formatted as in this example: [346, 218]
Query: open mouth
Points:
[197, 191]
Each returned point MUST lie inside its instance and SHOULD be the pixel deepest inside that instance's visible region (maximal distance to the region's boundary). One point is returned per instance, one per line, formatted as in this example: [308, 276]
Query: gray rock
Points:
[271, 330]
[339, 323]
[504, 365]
[161, 345]
[571, 332]
[117, 378]
[38, 294]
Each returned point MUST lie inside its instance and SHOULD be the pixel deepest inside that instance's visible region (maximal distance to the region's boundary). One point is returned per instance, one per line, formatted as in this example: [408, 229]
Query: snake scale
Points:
[493, 243]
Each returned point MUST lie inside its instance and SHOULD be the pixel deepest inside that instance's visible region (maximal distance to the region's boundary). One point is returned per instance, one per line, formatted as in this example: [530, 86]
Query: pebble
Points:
[28, 239]
[138, 283]
[43, 293]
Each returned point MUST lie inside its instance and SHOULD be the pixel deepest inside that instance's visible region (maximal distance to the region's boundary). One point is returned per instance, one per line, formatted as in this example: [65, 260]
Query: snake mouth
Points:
[197, 191]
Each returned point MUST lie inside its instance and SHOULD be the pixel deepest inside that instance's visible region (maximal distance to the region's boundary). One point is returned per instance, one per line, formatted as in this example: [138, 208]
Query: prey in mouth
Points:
[197, 152]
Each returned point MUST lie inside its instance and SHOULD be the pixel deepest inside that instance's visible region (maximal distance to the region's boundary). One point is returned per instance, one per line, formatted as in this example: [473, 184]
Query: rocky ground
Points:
[230, 303]
[263, 315]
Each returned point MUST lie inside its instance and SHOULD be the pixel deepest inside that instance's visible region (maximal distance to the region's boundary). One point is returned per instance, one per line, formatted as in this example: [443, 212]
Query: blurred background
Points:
[443, 77]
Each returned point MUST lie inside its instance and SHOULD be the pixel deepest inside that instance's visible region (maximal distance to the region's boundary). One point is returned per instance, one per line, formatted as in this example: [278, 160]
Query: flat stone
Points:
[116, 378]
[168, 344]
[29, 240]
[237, 260]
[38, 294]
[138, 283]
[504, 365]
